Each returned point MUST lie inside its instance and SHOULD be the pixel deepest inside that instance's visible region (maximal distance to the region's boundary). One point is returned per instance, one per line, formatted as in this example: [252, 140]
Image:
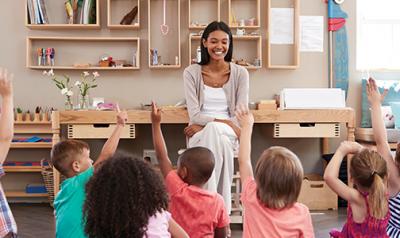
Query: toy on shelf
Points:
[129, 17]
[106, 61]
[40, 115]
[45, 56]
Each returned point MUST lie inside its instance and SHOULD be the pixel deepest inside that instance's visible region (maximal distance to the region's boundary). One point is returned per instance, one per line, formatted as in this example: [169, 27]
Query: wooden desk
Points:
[344, 116]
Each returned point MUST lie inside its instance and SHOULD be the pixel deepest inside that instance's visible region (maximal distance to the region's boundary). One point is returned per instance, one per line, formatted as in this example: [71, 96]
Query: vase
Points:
[84, 102]
[68, 104]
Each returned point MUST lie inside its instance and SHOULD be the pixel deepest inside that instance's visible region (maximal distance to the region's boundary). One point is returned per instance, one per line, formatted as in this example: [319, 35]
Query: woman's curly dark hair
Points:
[121, 197]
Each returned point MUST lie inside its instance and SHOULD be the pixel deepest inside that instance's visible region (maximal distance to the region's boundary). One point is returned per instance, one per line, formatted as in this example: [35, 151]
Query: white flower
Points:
[78, 83]
[70, 93]
[64, 91]
[86, 73]
[50, 73]
[96, 74]
[45, 73]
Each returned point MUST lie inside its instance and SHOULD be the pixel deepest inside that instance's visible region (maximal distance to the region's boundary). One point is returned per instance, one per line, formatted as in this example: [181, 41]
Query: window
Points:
[378, 35]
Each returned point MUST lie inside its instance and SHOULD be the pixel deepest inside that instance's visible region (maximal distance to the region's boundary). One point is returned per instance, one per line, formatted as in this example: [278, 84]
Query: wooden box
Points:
[98, 131]
[306, 130]
[316, 195]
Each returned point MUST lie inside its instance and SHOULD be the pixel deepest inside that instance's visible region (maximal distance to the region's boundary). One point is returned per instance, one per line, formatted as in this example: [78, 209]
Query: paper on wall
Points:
[282, 26]
[312, 33]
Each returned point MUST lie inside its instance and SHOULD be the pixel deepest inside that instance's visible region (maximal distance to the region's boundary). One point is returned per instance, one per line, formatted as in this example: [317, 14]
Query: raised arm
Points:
[331, 175]
[111, 144]
[7, 115]
[246, 121]
[158, 141]
[380, 134]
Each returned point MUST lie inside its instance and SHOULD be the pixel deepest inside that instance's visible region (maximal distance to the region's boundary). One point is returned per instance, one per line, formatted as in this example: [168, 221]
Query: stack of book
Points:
[37, 12]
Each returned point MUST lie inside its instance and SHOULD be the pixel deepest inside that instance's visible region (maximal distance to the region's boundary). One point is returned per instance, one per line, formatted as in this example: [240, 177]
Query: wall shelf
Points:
[200, 13]
[168, 46]
[242, 11]
[68, 53]
[58, 18]
[117, 9]
[16, 193]
[31, 145]
[284, 56]
[22, 169]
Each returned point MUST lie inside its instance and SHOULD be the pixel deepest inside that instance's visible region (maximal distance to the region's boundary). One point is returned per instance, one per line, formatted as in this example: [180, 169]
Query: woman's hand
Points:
[190, 130]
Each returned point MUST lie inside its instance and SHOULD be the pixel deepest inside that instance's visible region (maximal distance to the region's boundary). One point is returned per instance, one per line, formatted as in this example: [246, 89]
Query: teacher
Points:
[213, 89]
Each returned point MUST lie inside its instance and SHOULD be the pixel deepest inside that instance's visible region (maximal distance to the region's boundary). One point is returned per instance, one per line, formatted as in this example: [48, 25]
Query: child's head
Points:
[71, 157]
[196, 165]
[121, 197]
[278, 175]
[369, 173]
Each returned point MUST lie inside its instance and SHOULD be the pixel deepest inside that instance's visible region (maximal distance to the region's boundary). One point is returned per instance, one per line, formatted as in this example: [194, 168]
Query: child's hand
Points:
[155, 113]
[5, 83]
[350, 147]
[374, 96]
[244, 116]
[122, 116]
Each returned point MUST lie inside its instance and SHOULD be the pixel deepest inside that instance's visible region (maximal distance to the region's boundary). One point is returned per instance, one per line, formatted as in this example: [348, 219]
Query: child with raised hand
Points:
[126, 198]
[201, 213]
[375, 98]
[269, 197]
[368, 212]
[72, 159]
[8, 228]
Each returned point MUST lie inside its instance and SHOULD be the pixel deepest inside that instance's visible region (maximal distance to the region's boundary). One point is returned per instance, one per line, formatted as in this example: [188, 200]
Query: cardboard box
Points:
[316, 195]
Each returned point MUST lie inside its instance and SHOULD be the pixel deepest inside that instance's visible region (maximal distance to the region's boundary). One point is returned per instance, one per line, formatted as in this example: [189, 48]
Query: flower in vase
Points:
[87, 83]
[64, 91]
[62, 85]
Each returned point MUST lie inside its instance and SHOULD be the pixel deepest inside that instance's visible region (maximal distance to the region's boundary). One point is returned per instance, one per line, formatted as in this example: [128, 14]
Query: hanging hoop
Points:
[164, 27]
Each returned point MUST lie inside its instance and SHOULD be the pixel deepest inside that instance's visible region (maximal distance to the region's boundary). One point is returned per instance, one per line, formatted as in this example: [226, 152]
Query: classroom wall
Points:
[131, 88]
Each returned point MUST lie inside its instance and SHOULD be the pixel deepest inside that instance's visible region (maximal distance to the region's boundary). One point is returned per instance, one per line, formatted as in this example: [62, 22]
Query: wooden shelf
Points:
[24, 194]
[278, 52]
[63, 26]
[122, 48]
[203, 12]
[118, 9]
[82, 68]
[239, 10]
[167, 46]
[56, 13]
[31, 145]
[25, 127]
[22, 169]
[32, 123]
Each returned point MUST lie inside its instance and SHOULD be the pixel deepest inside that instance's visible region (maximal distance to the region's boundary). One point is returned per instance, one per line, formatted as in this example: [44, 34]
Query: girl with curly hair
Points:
[126, 198]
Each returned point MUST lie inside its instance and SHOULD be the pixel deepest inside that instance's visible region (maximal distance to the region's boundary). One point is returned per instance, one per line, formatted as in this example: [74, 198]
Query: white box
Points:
[312, 98]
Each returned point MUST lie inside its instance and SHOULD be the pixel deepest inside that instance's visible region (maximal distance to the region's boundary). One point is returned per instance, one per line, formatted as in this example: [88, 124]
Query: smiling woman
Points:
[213, 90]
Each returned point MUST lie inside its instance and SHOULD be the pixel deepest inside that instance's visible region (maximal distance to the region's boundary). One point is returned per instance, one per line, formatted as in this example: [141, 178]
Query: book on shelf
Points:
[37, 12]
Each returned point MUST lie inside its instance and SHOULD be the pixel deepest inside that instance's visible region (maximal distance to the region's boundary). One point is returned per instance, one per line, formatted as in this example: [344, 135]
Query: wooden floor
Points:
[36, 220]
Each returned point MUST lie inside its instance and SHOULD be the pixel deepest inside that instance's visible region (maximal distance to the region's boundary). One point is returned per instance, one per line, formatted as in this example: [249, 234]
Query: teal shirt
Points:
[68, 206]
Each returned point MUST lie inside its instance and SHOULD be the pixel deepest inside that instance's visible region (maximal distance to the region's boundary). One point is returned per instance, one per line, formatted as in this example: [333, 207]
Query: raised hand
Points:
[122, 116]
[155, 113]
[374, 96]
[5, 83]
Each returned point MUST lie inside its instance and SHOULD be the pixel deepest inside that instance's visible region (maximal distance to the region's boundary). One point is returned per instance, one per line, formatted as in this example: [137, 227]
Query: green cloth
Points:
[68, 206]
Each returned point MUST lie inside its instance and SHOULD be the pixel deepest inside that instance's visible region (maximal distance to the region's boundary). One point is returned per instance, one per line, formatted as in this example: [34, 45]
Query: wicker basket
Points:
[47, 173]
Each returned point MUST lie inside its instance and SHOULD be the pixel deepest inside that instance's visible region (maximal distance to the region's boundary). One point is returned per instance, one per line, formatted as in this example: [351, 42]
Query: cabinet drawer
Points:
[306, 130]
[98, 131]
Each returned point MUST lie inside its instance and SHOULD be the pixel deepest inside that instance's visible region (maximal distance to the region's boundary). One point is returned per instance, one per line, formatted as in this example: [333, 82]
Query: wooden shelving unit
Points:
[17, 193]
[255, 40]
[282, 50]
[168, 46]
[56, 13]
[117, 9]
[22, 169]
[84, 50]
[240, 11]
[27, 129]
[203, 12]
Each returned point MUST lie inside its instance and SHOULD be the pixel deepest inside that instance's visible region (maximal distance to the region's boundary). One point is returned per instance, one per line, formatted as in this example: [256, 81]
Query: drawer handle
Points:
[102, 125]
[317, 185]
[307, 124]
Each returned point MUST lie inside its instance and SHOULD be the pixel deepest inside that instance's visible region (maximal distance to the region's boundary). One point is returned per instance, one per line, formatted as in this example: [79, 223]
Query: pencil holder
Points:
[36, 117]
